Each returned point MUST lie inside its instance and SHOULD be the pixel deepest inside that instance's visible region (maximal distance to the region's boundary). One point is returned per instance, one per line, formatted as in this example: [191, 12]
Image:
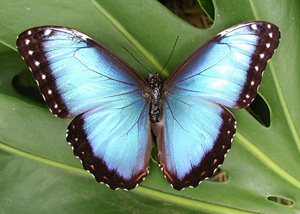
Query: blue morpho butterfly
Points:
[116, 108]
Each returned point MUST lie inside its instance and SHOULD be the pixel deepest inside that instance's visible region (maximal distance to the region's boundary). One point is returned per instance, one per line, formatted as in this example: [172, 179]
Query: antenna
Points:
[165, 63]
[136, 59]
[170, 54]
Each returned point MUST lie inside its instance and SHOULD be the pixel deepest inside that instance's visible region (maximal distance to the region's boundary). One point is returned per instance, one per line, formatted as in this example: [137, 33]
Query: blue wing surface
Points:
[74, 72]
[193, 137]
[196, 130]
[77, 76]
[227, 69]
[114, 142]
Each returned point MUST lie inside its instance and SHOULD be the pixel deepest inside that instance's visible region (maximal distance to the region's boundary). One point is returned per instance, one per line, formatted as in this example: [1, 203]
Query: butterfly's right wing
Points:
[78, 76]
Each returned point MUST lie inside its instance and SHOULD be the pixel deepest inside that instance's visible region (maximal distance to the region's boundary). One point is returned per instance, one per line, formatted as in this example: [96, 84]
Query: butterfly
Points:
[116, 110]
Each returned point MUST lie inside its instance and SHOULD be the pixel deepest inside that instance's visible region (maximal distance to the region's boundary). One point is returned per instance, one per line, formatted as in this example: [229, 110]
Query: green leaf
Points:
[39, 173]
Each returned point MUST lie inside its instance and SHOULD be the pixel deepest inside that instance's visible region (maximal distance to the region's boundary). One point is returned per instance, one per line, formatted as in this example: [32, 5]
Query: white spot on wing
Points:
[30, 52]
[49, 91]
[29, 32]
[27, 41]
[254, 27]
[47, 32]
[37, 63]
[271, 35]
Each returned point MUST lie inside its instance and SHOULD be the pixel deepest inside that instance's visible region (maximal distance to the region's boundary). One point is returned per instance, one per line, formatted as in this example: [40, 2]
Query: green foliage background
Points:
[39, 173]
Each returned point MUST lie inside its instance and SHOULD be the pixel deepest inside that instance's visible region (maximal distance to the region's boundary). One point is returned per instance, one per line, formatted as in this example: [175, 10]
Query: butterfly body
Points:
[156, 87]
[115, 109]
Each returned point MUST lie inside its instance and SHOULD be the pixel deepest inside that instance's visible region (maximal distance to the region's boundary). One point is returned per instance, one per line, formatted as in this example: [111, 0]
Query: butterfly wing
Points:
[193, 137]
[113, 142]
[227, 69]
[78, 76]
[196, 130]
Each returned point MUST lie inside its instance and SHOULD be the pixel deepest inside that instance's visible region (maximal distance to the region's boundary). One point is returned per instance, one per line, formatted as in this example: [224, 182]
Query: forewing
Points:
[227, 69]
[74, 72]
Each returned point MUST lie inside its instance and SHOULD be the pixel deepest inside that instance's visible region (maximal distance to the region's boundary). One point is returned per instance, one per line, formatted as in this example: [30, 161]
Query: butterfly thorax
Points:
[156, 85]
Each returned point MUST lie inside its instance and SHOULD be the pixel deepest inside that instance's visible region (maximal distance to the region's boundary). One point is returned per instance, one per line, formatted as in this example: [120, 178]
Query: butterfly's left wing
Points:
[196, 130]
[78, 76]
